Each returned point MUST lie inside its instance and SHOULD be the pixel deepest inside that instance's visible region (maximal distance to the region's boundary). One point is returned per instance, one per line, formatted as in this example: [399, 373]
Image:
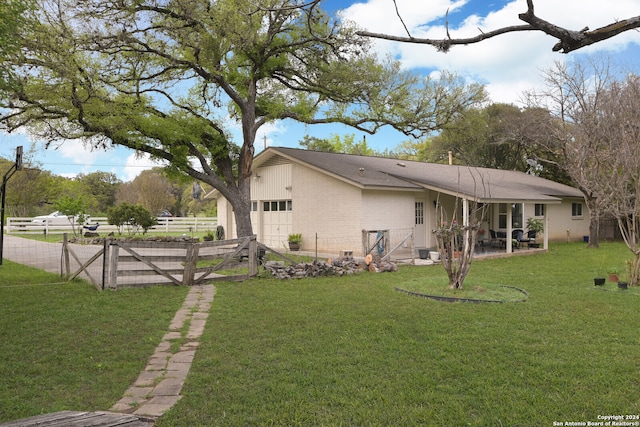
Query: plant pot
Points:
[294, 246]
[423, 253]
[598, 281]
[622, 285]
[434, 255]
[613, 278]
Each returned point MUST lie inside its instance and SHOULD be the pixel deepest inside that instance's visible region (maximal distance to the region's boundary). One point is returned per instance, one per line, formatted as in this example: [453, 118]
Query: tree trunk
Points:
[242, 213]
[594, 221]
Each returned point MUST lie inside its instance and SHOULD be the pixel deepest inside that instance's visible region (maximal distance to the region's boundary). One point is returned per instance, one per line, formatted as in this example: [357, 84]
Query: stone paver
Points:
[158, 387]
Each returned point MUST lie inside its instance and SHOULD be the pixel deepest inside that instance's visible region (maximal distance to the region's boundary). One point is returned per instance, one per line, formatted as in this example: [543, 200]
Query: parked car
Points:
[54, 218]
[165, 214]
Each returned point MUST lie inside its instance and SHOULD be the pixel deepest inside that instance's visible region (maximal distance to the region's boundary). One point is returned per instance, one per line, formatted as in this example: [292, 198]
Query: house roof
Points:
[369, 172]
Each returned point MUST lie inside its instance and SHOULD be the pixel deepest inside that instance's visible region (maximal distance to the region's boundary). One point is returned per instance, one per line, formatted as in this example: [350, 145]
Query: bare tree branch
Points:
[568, 40]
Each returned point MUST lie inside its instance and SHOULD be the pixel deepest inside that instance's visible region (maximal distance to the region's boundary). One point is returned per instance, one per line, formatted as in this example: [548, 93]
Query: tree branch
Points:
[568, 40]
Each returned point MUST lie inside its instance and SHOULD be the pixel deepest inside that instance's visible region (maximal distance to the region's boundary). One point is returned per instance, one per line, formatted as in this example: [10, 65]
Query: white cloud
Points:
[266, 136]
[507, 64]
[136, 163]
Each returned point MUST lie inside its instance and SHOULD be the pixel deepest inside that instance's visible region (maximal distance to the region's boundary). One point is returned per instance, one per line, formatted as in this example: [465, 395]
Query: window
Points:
[254, 206]
[516, 215]
[576, 209]
[539, 210]
[502, 215]
[419, 213]
[276, 205]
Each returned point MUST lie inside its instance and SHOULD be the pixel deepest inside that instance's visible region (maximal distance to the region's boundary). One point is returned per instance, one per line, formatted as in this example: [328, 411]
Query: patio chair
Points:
[494, 241]
[529, 239]
[519, 239]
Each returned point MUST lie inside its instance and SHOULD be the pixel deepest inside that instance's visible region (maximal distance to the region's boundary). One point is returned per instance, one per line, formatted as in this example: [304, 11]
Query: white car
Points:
[54, 218]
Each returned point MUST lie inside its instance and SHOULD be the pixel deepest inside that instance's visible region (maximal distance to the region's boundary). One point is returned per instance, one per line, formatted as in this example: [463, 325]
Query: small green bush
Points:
[132, 217]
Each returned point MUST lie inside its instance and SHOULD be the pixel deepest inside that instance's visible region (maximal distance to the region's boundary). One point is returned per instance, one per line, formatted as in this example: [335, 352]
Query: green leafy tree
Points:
[100, 189]
[150, 189]
[133, 218]
[499, 136]
[156, 75]
[336, 144]
[13, 16]
[75, 209]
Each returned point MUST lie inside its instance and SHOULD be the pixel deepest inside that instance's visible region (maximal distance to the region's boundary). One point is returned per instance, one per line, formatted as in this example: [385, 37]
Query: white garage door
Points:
[276, 223]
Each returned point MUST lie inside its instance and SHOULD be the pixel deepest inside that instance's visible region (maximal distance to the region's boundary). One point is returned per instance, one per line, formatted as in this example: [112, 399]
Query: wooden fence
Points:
[144, 263]
[23, 225]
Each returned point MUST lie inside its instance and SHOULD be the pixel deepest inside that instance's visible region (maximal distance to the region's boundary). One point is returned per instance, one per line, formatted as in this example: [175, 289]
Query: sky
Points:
[507, 65]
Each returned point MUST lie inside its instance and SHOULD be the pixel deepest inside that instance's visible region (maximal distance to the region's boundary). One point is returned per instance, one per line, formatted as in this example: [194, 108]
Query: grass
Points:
[351, 351]
[68, 346]
[343, 351]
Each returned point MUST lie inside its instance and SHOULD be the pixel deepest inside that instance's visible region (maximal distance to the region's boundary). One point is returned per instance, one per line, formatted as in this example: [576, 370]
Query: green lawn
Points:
[351, 351]
[68, 346]
[343, 351]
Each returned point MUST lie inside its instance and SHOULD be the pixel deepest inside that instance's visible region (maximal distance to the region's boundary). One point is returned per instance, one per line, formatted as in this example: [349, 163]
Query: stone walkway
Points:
[158, 387]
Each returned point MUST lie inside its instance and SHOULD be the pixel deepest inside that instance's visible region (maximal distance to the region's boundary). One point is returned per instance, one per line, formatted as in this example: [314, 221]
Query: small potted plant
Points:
[613, 273]
[294, 241]
[209, 236]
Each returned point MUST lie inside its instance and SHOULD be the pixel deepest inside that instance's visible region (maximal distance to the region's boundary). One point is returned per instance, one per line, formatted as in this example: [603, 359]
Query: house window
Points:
[277, 205]
[539, 209]
[254, 206]
[502, 215]
[419, 213]
[576, 210]
[516, 215]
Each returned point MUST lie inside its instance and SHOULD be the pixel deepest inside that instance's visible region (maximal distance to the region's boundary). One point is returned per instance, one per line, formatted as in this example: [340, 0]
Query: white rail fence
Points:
[16, 225]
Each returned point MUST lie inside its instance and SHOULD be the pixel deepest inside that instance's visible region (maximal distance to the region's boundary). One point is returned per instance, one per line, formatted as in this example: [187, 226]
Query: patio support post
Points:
[508, 238]
[465, 222]
[545, 243]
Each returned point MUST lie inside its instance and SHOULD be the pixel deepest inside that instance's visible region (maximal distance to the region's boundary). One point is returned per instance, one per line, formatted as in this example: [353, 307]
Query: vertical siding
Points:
[272, 183]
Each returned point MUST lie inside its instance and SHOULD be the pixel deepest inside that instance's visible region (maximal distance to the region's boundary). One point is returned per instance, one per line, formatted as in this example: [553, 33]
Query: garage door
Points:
[276, 223]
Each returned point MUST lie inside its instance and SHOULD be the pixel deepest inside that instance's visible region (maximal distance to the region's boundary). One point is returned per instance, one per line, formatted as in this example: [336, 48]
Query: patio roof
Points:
[483, 184]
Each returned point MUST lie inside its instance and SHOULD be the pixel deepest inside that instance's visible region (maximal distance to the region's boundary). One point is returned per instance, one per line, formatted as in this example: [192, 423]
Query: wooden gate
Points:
[144, 263]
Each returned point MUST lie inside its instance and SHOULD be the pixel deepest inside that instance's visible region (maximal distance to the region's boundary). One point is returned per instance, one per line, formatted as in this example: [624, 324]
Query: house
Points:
[337, 200]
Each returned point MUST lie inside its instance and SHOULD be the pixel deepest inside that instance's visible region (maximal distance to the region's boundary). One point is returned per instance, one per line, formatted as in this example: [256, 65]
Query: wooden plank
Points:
[82, 419]
[152, 258]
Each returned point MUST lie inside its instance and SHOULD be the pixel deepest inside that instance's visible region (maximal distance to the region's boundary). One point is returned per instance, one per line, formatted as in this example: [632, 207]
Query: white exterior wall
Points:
[382, 210]
[562, 226]
[329, 207]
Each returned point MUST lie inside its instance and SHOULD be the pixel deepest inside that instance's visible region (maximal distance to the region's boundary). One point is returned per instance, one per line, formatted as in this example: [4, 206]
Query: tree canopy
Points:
[173, 77]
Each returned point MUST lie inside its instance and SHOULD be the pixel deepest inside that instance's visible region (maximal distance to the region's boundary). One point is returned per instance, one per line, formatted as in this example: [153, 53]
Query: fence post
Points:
[105, 261]
[65, 254]
[113, 264]
[253, 256]
[190, 262]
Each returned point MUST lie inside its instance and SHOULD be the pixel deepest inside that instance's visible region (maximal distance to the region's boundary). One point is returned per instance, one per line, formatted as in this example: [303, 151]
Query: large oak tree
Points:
[173, 77]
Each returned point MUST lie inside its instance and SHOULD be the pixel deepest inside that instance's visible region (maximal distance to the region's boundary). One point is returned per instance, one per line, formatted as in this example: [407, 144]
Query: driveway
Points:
[48, 256]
